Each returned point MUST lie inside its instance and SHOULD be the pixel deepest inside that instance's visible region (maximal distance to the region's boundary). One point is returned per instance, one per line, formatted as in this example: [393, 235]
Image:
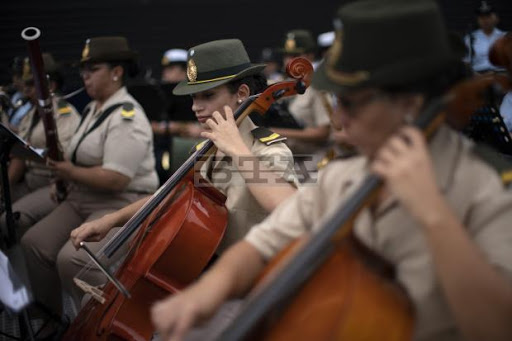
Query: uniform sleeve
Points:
[278, 159]
[490, 223]
[321, 105]
[66, 126]
[310, 205]
[127, 142]
[287, 222]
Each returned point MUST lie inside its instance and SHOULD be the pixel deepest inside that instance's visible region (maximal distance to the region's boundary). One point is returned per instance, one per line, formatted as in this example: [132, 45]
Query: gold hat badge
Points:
[85, 52]
[27, 72]
[290, 43]
[191, 70]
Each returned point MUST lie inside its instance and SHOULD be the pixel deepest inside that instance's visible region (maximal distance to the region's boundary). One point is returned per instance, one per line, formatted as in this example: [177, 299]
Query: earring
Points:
[115, 78]
[239, 101]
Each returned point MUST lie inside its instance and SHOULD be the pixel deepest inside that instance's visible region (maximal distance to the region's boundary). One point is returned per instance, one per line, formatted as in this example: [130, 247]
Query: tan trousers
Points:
[51, 260]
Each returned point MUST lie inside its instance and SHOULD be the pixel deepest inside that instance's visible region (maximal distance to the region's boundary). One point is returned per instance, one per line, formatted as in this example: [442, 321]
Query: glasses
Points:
[353, 104]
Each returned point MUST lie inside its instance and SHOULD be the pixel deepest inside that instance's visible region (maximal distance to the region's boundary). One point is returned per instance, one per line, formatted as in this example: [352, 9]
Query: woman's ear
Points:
[243, 92]
[117, 72]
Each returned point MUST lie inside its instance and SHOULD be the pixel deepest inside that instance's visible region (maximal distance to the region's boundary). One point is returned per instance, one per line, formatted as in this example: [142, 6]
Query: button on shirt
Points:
[121, 144]
[473, 190]
[481, 45]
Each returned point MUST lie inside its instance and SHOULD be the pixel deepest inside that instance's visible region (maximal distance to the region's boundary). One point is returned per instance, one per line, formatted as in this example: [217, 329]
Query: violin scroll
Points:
[300, 68]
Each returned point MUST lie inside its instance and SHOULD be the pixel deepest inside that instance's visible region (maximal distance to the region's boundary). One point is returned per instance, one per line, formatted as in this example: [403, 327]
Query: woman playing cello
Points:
[443, 217]
[220, 78]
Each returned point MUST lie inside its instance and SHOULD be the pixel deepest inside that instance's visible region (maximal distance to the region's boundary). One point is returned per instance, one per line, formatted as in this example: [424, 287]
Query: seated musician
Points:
[30, 181]
[231, 78]
[443, 218]
[311, 110]
[109, 164]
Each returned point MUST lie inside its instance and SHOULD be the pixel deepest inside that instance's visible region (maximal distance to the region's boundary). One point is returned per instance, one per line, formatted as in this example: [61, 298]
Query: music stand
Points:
[15, 296]
[12, 145]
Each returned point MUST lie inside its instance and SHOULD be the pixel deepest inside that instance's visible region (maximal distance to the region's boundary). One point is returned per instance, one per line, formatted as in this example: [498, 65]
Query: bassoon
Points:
[44, 102]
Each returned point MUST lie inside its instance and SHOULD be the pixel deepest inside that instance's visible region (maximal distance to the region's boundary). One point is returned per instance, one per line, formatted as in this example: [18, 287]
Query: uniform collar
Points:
[118, 97]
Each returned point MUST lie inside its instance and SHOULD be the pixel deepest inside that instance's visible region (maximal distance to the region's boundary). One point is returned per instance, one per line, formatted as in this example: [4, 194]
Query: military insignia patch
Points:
[85, 51]
[267, 136]
[191, 70]
[128, 111]
[63, 108]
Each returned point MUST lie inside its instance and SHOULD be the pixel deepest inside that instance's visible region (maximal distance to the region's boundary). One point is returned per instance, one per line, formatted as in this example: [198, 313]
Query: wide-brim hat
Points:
[106, 49]
[215, 63]
[50, 67]
[298, 42]
[386, 43]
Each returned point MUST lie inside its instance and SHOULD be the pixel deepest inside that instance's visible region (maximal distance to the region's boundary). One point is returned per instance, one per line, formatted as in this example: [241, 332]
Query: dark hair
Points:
[256, 83]
[131, 69]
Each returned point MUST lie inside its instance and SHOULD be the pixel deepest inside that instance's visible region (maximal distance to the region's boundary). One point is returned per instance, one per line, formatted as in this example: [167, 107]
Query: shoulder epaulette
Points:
[500, 162]
[267, 136]
[63, 107]
[128, 111]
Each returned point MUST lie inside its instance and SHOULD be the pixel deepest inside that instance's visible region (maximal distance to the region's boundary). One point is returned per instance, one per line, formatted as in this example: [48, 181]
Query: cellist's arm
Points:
[226, 136]
[231, 276]
[96, 230]
[479, 296]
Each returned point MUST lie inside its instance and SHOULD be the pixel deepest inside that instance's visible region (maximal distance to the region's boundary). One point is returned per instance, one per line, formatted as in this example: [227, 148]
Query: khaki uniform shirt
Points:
[244, 210]
[311, 110]
[473, 190]
[122, 143]
[66, 119]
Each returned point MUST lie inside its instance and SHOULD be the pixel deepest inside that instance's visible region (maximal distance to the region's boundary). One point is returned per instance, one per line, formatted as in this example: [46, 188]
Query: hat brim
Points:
[397, 74]
[184, 88]
[321, 81]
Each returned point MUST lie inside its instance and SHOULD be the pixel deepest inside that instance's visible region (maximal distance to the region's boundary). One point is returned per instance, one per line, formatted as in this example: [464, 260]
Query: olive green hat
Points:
[298, 42]
[386, 43]
[105, 49]
[215, 63]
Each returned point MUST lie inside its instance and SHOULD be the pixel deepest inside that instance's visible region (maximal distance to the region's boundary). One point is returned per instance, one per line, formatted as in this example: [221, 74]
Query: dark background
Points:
[152, 26]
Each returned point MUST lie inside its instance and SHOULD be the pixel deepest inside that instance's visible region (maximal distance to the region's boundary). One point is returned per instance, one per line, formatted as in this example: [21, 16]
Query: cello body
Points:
[352, 296]
[187, 227]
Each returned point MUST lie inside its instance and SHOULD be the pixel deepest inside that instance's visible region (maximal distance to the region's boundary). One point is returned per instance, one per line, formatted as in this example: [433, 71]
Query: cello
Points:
[329, 286]
[178, 230]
